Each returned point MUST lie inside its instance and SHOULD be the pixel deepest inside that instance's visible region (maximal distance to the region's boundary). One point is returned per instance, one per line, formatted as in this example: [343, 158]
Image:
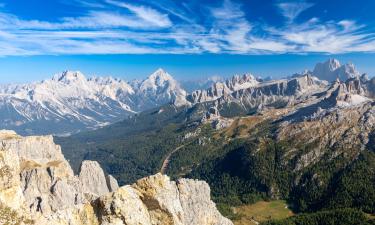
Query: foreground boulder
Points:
[37, 186]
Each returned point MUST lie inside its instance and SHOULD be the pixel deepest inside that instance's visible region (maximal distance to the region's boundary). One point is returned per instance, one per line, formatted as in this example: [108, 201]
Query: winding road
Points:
[167, 159]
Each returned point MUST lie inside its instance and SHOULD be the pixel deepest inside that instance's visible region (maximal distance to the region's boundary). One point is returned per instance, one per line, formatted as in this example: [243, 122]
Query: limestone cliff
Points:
[37, 186]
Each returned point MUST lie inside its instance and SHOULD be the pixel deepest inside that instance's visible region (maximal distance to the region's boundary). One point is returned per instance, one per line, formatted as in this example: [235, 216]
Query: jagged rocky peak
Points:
[238, 82]
[37, 186]
[219, 89]
[332, 69]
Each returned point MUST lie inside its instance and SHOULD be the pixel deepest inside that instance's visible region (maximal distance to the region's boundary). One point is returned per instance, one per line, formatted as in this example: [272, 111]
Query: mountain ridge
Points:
[69, 102]
[74, 102]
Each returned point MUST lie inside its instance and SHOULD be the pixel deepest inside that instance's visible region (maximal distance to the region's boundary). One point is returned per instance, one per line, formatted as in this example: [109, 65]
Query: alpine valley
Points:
[307, 139]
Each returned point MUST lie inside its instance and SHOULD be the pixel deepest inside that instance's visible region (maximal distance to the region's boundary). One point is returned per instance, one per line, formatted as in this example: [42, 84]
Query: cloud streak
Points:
[114, 27]
[147, 14]
[291, 10]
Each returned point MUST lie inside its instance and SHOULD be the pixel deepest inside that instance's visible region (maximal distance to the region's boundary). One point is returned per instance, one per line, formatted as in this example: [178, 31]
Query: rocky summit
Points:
[38, 186]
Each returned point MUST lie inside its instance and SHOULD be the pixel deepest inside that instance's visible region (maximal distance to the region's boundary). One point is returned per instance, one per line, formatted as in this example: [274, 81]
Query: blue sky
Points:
[189, 38]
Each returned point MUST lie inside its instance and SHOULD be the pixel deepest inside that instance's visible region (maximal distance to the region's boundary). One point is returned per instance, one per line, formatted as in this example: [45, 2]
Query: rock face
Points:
[37, 186]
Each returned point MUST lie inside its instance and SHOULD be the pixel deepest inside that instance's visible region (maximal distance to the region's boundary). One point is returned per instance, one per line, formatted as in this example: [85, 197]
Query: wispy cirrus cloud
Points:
[291, 10]
[116, 27]
[147, 14]
[328, 37]
[92, 20]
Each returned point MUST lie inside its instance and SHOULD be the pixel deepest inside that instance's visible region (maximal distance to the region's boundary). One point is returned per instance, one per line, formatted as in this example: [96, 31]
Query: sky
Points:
[190, 39]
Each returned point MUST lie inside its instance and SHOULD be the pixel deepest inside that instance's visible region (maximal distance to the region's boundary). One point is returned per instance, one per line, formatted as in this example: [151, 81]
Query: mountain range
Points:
[70, 102]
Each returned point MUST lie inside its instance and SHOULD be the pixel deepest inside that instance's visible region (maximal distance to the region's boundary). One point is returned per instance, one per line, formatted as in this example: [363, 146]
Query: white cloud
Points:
[329, 37]
[230, 27]
[93, 19]
[148, 14]
[102, 19]
[209, 45]
[90, 4]
[291, 10]
[137, 29]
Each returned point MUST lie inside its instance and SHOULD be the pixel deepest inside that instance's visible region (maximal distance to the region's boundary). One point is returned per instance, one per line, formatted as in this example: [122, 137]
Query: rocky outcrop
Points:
[37, 186]
[45, 178]
[93, 178]
[112, 183]
[158, 200]
[217, 122]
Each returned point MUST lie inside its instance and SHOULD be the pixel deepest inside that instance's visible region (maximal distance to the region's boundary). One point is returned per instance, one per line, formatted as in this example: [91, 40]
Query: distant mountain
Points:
[221, 88]
[70, 102]
[199, 84]
[332, 70]
[247, 95]
[159, 88]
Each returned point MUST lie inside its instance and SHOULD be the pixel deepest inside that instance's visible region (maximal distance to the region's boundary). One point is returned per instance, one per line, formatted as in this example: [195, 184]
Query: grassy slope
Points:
[262, 211]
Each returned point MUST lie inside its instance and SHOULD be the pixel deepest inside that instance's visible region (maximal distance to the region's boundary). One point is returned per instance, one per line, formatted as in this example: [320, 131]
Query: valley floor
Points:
[261, 211]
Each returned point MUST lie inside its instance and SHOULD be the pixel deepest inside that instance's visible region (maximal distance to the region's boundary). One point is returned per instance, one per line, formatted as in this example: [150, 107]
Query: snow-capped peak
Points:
[332, 69]
[158, 79]
[160, 76]
[161, 87]
[69, 76]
